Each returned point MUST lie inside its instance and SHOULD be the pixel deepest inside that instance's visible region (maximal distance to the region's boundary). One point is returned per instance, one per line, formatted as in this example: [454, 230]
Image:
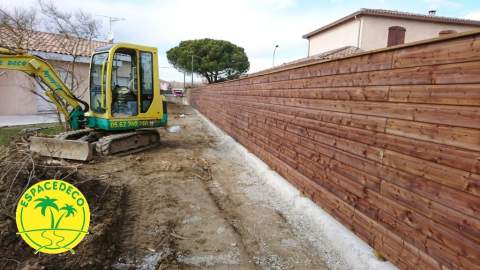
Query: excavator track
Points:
[127, 143]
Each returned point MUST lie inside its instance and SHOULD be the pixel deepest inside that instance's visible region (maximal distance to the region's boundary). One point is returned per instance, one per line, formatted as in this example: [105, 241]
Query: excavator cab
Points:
[124, 89]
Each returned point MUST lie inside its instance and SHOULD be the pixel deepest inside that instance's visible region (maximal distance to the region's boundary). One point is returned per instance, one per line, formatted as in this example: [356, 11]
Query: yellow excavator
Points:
[125, 102]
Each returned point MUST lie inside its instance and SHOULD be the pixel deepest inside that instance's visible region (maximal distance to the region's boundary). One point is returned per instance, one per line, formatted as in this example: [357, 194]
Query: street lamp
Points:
[192, 72]
[273, 59]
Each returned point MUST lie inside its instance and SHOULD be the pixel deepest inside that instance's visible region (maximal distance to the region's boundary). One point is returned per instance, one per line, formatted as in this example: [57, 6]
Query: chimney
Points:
[446, 33]
[432, 12]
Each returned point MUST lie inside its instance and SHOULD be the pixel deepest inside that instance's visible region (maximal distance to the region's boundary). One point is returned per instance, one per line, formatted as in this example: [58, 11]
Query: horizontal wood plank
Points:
[387, 142]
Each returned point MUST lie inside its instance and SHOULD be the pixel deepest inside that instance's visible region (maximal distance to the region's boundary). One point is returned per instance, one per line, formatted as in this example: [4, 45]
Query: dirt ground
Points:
[184, 209]
[190, 204]
[20, 169]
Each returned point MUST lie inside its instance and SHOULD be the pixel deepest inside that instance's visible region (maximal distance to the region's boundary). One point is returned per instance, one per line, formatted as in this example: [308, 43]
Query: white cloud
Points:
[473, 15]
[280, 3]
[256, 25]
[436, 4]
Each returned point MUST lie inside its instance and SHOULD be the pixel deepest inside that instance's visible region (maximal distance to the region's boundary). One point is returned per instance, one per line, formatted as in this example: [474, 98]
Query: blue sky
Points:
[256, 25]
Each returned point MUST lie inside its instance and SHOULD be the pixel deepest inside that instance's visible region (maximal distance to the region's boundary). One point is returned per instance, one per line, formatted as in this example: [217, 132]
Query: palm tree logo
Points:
[49, 204]
[52, 216]
[69, 211]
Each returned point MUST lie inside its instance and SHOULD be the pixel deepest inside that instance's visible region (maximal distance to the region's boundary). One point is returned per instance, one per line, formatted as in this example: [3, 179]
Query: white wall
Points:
[345, 34]
[373, 33]
[375, 30]
[15, 98]
[15, 86]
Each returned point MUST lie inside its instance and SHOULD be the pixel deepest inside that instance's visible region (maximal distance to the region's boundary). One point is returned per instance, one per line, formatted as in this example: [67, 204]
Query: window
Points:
[146, 79]
[98, 73]
[124, 83]
[396, 36]
[446, 32]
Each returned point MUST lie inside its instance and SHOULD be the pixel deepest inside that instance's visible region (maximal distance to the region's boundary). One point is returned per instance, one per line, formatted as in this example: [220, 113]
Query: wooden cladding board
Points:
[387, 142]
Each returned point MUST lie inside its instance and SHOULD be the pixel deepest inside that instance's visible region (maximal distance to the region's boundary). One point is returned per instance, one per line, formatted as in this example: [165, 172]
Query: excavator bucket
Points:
[59, 148]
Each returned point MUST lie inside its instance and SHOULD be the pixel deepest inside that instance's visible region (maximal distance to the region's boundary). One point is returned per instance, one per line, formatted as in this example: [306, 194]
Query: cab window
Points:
[98, 73]
[146, 78]
[124, 83]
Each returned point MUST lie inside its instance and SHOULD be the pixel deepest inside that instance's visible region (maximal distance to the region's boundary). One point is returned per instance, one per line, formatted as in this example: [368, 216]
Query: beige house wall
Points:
[375, 30]
[15, 98]
[15, 89]
[82, 71]
[371, 32]
[345, 34]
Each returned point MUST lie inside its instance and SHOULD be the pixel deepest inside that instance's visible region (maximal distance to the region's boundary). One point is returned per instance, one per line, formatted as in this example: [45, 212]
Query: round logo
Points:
[53, 217]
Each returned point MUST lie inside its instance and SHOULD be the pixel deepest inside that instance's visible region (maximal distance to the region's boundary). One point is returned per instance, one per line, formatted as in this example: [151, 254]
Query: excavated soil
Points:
[178, 206]
[20, 169]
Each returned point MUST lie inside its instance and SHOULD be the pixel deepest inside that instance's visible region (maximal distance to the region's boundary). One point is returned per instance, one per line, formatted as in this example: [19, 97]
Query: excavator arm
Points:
[48, 78]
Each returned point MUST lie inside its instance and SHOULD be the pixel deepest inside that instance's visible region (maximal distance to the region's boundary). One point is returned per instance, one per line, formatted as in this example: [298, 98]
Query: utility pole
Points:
[273, 58]
[111, 20]
[192, 72]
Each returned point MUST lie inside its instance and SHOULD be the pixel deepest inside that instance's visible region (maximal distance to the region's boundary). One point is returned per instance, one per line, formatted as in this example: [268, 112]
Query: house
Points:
[369, 29]
[168, 88]
[16, 97]
[319, 57]
[165, 85]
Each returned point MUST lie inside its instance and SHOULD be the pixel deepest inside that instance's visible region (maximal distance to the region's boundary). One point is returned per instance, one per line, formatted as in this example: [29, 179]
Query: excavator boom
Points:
[48, 78]
[63, 98]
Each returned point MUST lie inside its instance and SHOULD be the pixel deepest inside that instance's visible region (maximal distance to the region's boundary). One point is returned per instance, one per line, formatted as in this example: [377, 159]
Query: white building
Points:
[369, 29]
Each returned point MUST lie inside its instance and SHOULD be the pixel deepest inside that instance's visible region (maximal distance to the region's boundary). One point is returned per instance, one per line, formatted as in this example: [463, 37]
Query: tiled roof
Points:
[395, 14]
[329, 55]
[51, 43]
[325, 56]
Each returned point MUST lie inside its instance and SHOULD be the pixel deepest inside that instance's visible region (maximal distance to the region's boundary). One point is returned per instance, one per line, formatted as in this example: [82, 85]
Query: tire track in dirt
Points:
[225, 208]
[261, 249]
[183, 209]
[146, 232]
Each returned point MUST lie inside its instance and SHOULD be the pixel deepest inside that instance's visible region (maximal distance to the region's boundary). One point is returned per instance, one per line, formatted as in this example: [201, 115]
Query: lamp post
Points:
[192, 72]
[273, 58]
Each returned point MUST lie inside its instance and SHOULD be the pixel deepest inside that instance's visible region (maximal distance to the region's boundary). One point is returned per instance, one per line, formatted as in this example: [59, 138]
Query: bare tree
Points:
[16, 28]
[74, 30]
[75, 33]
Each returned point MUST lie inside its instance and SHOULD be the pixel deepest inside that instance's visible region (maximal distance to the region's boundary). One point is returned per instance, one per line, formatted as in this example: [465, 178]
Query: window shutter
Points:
[396, 36]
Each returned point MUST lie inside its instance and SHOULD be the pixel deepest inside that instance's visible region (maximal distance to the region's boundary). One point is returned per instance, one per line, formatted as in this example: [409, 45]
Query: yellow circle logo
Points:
[53, 217]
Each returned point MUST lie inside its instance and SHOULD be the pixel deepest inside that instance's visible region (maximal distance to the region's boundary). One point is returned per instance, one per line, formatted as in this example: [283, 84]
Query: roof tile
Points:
[50, 43]
[395, 14]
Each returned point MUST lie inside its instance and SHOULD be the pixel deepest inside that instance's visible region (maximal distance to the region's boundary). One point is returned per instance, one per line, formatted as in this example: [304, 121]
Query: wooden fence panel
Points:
[387, 142]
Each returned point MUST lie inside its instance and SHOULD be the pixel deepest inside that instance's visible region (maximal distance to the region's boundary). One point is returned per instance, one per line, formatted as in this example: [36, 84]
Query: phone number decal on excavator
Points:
[131, 124]
[14, 63]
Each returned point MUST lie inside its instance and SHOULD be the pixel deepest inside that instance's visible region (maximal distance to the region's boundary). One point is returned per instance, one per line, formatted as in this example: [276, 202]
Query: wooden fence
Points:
[388, 142]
